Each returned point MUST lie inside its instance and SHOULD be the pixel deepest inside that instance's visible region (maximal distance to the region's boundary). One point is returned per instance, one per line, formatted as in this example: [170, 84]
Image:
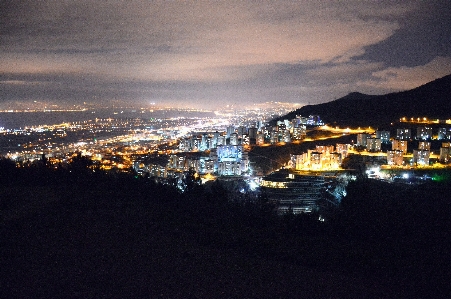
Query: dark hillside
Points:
[432, 100]
[66, 235]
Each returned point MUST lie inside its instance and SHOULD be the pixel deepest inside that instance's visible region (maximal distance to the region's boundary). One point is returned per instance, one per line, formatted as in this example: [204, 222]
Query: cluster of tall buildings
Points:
[226, 153]
[324, 157]
[399, 148]
[227, 160]
[330, 158]
[256, 134]
[423, 133]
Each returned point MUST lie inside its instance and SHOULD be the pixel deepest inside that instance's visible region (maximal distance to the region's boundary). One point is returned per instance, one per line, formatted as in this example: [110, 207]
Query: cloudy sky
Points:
[212, 53]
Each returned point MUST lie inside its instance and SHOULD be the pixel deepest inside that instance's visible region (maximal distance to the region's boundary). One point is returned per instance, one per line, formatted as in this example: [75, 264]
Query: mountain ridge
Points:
[431, 100]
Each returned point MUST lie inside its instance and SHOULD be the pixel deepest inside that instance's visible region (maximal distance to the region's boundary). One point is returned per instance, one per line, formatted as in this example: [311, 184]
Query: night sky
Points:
[208, 54]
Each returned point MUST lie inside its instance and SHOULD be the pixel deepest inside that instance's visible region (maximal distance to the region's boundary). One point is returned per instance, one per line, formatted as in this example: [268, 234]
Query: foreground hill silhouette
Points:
[432, 100]
[80, 234]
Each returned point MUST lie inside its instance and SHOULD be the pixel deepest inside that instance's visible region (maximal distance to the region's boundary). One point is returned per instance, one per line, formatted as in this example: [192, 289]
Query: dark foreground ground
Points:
[121, 237]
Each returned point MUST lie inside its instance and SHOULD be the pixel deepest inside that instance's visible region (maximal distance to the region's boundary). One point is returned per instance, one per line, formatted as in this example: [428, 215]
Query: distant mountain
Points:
[431, 100]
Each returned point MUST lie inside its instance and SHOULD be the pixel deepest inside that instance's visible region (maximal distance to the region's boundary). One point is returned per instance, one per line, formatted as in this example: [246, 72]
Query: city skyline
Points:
[212, 54]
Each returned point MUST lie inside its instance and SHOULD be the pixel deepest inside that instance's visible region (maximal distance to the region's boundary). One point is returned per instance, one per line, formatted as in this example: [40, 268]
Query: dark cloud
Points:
[211, 53]
[425, 33]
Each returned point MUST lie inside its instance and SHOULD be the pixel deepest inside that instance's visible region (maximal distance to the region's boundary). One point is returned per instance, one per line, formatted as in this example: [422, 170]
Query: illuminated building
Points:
[424, 145]
[184, 144]
[384, 136]
[252, 133]
[373, 144]
[287, 124]
[215, 139]
[229, 168]
[296, 122]
[177, 162]
[230, 130]
[335, 160]
[421, 157]
[267, 132]
[231, 160]
[444, 134]
[286, 137]
[260, 140]
[299, 132]
[204, 144]
[343, 149]
[221, 140]
[324, 149]
[403, 134]
[445, 154]
[395, 157]
[193, 163]
[157, 170]
[211, 142]
[400, 145]
[362, 139]
[274, 137]
[293, 192]
[207, 165]
[201, 165]
[314, 120]
[208, 142]
[195, 143]
[281, 126]
[233, 139]
[302, 120]
[241, 130]
[299, 162]
[424, 133]
[245, 140]
[316, 162]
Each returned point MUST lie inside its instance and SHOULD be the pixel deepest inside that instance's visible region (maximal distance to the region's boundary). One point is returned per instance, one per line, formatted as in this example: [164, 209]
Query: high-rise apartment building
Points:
[444, 134]
[231, 160]
[421, 157]
[384, 136]
[424, 133]
[445, 154]
[252, 133]
[286, 136]
[299, 132]
[343, 149]
[373, 144]
[324, 149]
[395, 157]
[403, 134]
[233, 139]
[316, 162]
[424, 145]
[400, 145]
[362, 139]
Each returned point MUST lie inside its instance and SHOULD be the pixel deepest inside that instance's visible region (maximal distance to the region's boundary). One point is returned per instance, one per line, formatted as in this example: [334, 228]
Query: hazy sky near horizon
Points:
[212, 53]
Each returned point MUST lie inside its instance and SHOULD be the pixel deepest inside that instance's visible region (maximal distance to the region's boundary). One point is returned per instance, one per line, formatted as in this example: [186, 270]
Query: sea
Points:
[20, 120]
